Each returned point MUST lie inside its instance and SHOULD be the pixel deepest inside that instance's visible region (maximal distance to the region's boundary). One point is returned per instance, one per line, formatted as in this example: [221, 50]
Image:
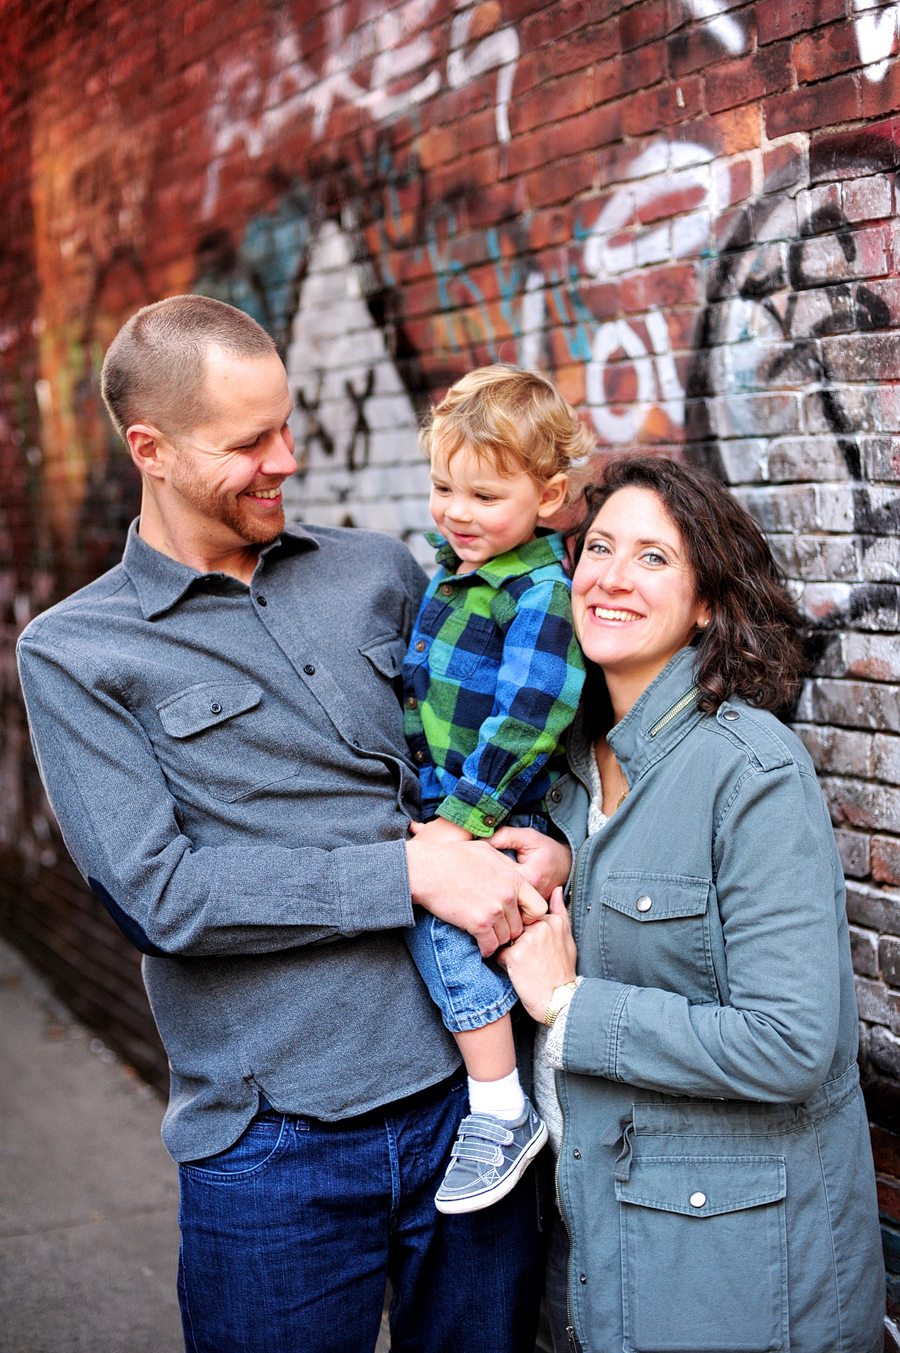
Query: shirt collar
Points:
[659, 718]
[546, 548]
[161, 581]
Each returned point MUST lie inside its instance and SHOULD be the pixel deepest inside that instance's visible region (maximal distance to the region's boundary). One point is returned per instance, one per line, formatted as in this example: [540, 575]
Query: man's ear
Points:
[148, 447]
[553, 494]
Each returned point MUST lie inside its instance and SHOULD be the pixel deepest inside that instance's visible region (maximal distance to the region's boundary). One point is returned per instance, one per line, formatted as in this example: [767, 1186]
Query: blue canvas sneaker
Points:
[488, 1158]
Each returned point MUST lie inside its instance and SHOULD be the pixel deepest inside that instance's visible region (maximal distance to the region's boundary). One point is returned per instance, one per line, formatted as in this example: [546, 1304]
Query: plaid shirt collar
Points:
[546, 548]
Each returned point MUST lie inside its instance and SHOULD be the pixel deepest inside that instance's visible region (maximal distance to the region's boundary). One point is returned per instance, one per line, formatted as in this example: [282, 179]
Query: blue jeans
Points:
[469, 991]
[289, 1237]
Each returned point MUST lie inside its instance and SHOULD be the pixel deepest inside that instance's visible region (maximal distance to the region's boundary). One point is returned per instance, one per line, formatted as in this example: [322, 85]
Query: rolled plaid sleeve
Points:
[537, 691]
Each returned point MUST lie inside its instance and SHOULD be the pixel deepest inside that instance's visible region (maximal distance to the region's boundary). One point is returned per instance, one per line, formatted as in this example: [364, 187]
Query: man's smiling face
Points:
[225, 476]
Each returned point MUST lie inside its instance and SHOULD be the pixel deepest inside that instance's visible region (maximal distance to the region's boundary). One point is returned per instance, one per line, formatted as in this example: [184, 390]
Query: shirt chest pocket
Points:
[226, 734]
[463, 642]
[654, 932]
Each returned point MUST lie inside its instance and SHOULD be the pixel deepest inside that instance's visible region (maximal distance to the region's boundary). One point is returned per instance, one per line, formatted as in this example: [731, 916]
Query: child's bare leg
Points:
[490, 1057]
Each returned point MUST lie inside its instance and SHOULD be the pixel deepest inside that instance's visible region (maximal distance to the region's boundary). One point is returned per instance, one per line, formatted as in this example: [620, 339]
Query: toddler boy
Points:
[491, 682]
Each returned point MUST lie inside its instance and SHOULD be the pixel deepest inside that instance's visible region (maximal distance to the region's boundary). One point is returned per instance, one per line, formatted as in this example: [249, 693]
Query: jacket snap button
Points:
[261, 601]
[582, 1277]
[447, 589]
[555, 795]
[731, 715]
[643, 903]
[577, 1154]
[215, 707]
[697, 1200]
[420, 646]
[309, 669]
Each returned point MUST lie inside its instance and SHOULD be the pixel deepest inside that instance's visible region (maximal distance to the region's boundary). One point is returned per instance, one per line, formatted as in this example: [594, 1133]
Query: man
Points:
[217, 725]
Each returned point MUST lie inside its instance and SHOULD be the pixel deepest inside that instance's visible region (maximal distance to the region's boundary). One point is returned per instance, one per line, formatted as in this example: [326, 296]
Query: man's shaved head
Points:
[156, 366]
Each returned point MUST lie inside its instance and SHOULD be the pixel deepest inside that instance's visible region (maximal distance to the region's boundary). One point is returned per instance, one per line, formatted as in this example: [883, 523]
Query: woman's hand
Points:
[542, 958]
[544, 861]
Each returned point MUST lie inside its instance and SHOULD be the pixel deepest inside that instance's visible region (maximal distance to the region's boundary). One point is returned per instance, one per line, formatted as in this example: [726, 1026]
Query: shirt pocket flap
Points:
[205, 705]
[703, 1186]
[655, 897]
[386, 653]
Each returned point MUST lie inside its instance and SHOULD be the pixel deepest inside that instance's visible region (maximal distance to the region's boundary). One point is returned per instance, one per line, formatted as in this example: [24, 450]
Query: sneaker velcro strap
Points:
[479, 1125]
[475, 1150]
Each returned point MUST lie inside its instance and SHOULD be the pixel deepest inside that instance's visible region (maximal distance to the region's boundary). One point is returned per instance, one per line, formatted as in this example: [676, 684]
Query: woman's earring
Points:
[704, 623]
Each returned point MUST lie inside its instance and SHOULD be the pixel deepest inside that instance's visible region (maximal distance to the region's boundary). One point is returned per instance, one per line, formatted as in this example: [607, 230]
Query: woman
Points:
[714, 1174]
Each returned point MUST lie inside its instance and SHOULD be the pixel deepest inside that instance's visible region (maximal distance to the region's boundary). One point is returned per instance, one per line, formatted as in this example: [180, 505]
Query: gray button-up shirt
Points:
[228, 767]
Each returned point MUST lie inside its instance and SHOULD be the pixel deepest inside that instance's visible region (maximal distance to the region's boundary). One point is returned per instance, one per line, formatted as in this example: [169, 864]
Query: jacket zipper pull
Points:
[573, 1342]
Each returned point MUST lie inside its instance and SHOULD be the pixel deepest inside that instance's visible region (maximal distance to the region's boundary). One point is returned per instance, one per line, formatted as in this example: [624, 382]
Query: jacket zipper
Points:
[676, 709]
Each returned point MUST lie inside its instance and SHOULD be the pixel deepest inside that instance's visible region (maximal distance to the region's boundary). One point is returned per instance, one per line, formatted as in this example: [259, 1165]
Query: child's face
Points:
[482, 512]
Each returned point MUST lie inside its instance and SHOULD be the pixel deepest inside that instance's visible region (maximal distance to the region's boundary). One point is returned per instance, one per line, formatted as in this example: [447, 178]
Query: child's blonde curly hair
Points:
[513, 419]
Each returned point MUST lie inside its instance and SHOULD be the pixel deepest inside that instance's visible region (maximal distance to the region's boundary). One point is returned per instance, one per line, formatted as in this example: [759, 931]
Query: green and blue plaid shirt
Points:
[491, 683]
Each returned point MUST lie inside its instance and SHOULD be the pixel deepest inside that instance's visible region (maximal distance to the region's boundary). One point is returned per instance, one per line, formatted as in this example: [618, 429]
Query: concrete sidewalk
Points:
[88, 1195]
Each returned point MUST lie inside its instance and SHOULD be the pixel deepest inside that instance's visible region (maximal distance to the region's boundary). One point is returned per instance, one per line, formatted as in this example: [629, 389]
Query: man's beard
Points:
[219, 507]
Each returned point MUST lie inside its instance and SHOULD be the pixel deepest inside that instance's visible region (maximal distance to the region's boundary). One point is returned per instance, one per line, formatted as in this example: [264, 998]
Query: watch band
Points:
[559, 999]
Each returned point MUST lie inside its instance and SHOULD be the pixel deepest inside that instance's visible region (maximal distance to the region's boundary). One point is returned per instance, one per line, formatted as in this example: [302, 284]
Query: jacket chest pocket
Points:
[704, 1254]
[226, 735]
[654, 932]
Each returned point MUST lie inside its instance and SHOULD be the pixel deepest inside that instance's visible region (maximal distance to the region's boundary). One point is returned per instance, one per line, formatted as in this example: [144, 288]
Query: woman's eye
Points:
[655, 558]
[597, 547]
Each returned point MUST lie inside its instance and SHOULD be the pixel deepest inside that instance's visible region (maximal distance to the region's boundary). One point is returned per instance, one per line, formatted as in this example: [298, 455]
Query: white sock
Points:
[502, 1099]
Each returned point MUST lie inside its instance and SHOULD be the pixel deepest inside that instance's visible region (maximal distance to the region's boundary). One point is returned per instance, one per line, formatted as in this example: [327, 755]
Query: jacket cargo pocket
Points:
[704, 1254]
[654, 932]
[225, 733]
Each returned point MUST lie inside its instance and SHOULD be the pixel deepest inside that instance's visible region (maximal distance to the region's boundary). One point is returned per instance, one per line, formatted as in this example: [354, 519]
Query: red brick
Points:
[822, 105]
[845, 155]
[550, 103]
[658, 108]
[562, 182]
[550, 25]
[882, 96]
[782, 168]
[589, 131]
[825, 53]
[643, 68]
[643, 23]
[782, 18]
[886, 860]
[886, 1151]
[888, 1198]
[585, 48]
[750, 78]
[700, 47]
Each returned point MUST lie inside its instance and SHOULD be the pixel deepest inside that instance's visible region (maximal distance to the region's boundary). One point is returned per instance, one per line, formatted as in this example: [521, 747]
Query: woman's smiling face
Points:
[634, 599]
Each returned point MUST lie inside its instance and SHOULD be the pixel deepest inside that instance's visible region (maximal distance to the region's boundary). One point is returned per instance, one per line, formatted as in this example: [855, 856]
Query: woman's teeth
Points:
[603, 613]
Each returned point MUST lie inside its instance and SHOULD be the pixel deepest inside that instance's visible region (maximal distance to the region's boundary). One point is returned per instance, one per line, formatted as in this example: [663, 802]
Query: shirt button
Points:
[447, 589]
[420, 757]
[421, 646]
[643, 903]
[411, 702]
[309, 669]
[697, 1199]
[215, 707]
[490, 820]
[577, 1154]
[261, 601]
[731, 715]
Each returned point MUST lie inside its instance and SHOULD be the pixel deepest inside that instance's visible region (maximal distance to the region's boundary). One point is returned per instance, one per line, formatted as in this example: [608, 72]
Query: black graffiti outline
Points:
[361, 427]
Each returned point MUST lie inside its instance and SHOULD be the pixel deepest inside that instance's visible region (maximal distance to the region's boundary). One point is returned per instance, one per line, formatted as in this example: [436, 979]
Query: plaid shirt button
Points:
[447, 589]
[411, 702]
[421, 646]
[420, 757]
[490, 820]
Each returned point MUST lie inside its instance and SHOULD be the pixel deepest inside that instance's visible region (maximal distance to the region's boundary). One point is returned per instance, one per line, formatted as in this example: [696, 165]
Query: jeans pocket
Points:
[704, 1254]
[255, 1150]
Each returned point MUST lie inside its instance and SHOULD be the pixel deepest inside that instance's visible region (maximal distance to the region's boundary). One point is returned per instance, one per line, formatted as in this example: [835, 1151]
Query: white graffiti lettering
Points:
[876, 36]
[396, 44]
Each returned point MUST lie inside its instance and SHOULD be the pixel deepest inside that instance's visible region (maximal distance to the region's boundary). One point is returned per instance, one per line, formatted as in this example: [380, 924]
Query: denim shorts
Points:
[469, 991]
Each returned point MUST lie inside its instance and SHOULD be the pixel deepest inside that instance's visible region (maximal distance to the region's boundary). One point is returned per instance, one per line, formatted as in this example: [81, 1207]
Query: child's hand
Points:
[544, 861]
[439, 831]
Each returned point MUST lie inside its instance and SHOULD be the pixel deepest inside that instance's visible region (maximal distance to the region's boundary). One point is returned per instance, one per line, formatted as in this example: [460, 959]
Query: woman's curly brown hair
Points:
[753, 646]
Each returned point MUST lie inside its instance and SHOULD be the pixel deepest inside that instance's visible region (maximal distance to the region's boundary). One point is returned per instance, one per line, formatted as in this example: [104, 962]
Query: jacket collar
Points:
[161, 581]
[659, 718]
[546, 548]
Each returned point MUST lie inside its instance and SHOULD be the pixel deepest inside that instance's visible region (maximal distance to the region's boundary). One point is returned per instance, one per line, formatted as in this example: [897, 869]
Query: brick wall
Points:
[683, 209]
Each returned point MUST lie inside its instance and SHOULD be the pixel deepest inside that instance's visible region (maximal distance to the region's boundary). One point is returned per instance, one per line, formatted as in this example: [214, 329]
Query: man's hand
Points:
[544, 861]
[542, 959]
[439, 831]
[474, 887]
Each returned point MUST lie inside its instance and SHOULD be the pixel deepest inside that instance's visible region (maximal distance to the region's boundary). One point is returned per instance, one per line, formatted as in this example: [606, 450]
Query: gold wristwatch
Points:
[559, 999]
